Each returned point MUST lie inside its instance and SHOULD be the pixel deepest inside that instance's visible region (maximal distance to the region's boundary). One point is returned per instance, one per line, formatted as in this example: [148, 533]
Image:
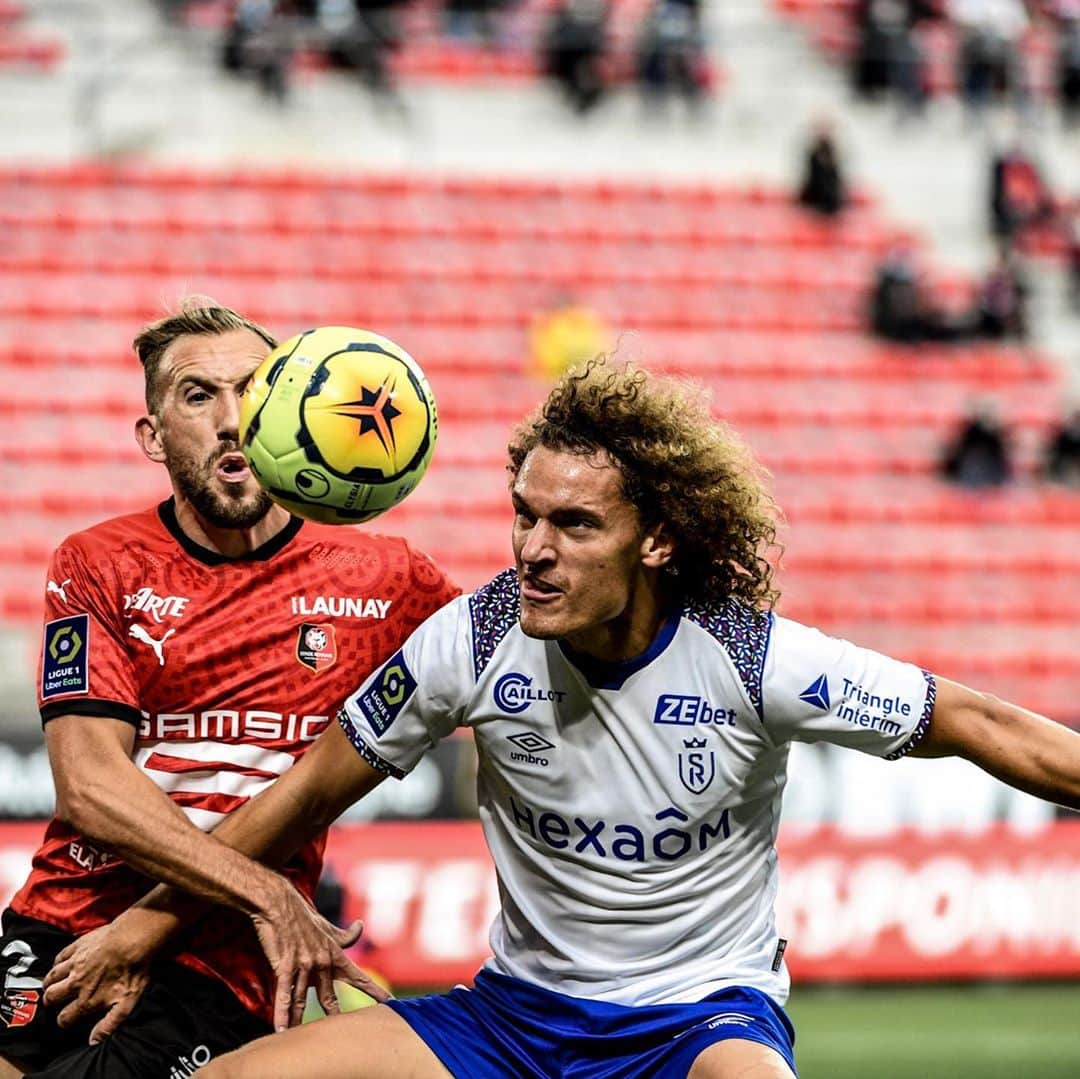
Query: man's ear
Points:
[658, 547]
[149, 438]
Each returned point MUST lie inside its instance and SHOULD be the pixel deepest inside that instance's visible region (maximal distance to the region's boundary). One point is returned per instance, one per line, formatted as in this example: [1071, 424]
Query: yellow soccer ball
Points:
[350, 999]
[338, 424]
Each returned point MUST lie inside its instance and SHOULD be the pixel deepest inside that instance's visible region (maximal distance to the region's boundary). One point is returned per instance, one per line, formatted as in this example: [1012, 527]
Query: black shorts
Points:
[181, 1021]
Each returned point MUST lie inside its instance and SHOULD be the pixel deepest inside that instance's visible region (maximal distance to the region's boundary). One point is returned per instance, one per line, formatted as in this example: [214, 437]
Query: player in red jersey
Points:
[191, 653]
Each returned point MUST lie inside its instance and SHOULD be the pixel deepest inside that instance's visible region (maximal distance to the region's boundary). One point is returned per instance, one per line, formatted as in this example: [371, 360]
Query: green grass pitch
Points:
[1001, 1031]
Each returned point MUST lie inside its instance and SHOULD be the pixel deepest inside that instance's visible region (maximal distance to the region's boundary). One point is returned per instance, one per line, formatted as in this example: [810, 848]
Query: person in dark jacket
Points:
[979, 454]
[823, 188]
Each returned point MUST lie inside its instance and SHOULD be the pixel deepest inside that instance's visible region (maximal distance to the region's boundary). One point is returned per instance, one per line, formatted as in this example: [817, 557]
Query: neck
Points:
[630, 633]
[230, 542]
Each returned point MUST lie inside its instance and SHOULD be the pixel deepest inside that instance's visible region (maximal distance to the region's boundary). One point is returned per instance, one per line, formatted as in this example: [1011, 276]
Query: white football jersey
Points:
[631, 808]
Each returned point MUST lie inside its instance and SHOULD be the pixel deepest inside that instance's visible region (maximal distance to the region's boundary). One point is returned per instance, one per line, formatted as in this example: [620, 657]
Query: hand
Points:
[305, 949]
[99, 972]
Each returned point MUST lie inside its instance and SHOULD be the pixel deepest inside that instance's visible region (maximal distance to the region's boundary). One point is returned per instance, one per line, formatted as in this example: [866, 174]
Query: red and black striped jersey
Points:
[229, 669]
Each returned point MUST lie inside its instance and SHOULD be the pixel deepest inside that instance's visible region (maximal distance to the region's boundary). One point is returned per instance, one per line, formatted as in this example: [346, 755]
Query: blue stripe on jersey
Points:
[494, 610]
[744, 633]
[612, 674]
[506, 1028]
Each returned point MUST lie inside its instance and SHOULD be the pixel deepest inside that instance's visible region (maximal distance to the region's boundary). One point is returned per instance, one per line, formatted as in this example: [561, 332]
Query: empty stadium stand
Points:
[735, 287]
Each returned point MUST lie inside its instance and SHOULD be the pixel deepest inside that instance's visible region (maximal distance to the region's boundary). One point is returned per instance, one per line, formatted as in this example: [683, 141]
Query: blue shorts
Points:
[504, 1028]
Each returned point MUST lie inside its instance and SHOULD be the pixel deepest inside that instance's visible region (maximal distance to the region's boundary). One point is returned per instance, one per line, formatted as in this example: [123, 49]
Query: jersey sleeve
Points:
[84, 667]
[417, 697]
[818, 688]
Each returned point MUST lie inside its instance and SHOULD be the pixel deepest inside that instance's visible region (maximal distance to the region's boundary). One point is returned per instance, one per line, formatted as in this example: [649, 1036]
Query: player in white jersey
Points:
[632, 698]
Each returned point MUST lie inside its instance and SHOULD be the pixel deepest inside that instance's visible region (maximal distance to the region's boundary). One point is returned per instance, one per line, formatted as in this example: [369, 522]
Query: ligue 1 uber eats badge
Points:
[316, 646]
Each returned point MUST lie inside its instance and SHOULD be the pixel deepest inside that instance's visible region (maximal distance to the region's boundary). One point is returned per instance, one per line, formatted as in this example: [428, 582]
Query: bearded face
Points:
[195, 433]
[223, 503]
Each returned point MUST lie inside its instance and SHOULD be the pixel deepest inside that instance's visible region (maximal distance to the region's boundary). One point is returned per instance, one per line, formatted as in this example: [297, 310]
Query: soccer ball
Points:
[350, 999]
[338, 424]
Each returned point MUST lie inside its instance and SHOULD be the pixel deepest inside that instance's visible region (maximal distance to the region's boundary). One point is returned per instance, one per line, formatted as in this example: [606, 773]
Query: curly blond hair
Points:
[679, 465]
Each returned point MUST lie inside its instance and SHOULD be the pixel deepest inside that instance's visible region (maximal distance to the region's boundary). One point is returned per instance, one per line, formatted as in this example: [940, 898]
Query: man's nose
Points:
[229, 417]
[538, 545]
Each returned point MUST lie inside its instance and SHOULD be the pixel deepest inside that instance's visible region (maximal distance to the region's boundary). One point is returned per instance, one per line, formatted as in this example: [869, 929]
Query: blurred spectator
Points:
[901, 308]
[1019, 196]
[989, 58]
[1002, 299]
[1074, 260]
[671, 53]
[263, 35]
[359, 36]
[565, 336]
[895, 302]
[1062, 458]
[1068, 59]
[573, 49]
[888, 57]
[473, 20]
[979, 454]
[258, 41]
[823, 187]
[174, 11]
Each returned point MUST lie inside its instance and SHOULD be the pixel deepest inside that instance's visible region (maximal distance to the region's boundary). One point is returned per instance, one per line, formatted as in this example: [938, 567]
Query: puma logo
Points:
[155, 643]
[58, 589]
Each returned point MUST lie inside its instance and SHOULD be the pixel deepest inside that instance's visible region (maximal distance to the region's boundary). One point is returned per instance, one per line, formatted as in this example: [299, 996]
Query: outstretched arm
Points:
[1021, 748]
[300, 946]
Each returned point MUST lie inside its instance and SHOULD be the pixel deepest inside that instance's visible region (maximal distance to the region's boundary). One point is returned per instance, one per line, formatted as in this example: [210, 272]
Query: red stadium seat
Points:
[732, 286]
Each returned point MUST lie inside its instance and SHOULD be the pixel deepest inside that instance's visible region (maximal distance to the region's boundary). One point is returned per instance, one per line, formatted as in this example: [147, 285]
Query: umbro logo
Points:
[530, 745]
[817, 693]
[530, 741]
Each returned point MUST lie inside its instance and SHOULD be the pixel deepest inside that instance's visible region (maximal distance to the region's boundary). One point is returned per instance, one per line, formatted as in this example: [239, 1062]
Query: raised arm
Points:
[1021, 748]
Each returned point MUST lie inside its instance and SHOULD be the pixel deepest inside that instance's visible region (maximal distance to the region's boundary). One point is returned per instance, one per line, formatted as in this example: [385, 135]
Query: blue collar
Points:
[612, 674]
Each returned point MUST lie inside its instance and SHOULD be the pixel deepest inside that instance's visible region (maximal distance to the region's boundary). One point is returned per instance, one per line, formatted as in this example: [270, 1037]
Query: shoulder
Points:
[731, 622]
[743, 632]
[493, 611]
[427, 574]
[353, 539]
[388, 567]
[113, 535]
[344, 546]
[97, 569]
[350, 542]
